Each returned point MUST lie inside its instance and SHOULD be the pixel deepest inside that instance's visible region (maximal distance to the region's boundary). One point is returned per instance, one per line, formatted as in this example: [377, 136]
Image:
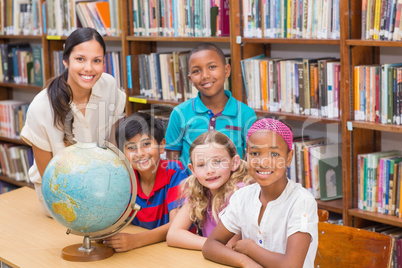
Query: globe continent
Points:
[86, 188]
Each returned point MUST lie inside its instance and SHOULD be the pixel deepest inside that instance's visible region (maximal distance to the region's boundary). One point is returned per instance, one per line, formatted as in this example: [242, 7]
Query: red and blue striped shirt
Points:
[155, 208]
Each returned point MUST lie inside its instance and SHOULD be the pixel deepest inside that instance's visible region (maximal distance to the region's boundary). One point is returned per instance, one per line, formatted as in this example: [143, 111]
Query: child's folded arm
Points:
[215, 249]
[179, 234]
[296, 251]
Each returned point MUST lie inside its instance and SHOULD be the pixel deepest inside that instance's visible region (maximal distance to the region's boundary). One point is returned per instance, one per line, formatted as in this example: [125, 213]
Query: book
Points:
[322, 153]
[299, 154]
[361, 181]
[330, 178]
[246, 74]
[372, 164]
[37, 54]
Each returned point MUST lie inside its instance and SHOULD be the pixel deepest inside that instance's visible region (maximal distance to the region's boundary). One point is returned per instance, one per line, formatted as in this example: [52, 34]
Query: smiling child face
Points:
[212, 165]
[208, 72]
[143, 152]
[268, 157]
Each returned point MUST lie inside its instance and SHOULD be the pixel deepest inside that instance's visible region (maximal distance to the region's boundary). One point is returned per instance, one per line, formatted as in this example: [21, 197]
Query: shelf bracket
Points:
[350, 126]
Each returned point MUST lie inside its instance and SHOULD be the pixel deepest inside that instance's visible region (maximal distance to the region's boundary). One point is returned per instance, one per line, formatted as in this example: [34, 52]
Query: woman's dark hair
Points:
[60, 93]
[139, 123]
[208, 46]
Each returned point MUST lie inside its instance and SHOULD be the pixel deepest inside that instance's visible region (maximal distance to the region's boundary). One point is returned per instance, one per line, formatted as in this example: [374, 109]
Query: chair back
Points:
[344, 246]
[323, 215]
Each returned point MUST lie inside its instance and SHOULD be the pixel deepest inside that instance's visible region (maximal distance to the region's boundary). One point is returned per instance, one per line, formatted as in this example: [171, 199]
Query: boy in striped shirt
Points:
[141, 138]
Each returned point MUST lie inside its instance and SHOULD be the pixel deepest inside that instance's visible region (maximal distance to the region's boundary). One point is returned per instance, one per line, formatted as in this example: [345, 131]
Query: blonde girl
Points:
[217, 172]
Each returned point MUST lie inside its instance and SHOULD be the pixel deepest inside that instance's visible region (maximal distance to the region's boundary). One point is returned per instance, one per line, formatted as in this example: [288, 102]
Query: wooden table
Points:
[30, 239]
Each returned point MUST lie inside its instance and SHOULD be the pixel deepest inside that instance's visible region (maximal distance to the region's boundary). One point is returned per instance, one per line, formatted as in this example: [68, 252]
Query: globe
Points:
[89, 190]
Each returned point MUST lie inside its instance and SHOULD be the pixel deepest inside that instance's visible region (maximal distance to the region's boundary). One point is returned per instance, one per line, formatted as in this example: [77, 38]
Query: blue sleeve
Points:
[174, 133]
[179, 174]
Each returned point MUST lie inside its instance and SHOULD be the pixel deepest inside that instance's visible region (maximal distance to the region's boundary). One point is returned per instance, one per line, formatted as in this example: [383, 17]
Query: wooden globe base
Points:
[99, 252]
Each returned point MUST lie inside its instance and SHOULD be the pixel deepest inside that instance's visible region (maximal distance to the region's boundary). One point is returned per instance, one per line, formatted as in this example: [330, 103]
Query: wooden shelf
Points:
[24, 86]
[16, 183]
[179, 39]
[332, 205]
[291, 41]
[372, 43]
[30, 37]
[17, 141]
[373, 216]
[377, 126]
[298, 117]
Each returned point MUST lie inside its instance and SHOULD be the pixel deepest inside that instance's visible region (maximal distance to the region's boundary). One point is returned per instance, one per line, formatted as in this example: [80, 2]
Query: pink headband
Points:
[275, 126]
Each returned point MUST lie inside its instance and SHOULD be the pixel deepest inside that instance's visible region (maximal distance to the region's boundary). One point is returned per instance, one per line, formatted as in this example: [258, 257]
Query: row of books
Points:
[300, 86]
[15, 161]
[112, 65]
[318, 19]
[21, 63]
[379, 182]
[163, 76]
[20, 17]
[181, 18]
[381, 20]
[378, 93]
[317, 166]
[5, 188]
[64, 16]
[396, 234]
[12, 117]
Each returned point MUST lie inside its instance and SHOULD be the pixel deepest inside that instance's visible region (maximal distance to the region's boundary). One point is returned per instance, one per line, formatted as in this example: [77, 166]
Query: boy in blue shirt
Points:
[213, 108]
[141, 137]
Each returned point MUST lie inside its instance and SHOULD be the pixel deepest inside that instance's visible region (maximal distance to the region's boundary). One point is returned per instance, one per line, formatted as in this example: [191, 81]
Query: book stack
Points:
[100, 15]
[4, 188]
[20, 17]
[381, 20]
[317, 19]
[17, 63]
[317, 166]
[379, 182]
[15, 161]
[163, 76]
[181, 18]
[378, 93]
[12, 118]
[301, 86]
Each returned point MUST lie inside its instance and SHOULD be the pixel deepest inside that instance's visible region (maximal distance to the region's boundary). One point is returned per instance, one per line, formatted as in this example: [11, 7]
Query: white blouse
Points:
[106, 104]
[295, 210]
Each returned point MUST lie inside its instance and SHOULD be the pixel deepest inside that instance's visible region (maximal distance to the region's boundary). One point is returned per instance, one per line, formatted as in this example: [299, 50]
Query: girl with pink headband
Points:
[276, 217]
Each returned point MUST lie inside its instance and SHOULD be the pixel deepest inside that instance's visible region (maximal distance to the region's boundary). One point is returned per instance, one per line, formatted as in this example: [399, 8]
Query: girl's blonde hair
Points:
[197, 195]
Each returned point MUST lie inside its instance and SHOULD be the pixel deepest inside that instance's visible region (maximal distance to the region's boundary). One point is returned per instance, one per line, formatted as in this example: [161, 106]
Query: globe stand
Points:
[86, 252]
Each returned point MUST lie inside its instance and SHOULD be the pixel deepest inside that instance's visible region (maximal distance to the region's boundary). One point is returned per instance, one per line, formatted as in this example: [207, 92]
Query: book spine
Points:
[306, 70]
[129, 77]
[300, 76]
[337, 83]
[390, 95]
[264, 84]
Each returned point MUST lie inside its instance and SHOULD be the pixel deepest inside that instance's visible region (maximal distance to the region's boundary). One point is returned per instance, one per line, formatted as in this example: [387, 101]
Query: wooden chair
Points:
[323, 215]
[344, 246]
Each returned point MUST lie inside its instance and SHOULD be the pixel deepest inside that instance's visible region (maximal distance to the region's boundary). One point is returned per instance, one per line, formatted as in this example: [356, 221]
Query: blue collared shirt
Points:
[192, 118]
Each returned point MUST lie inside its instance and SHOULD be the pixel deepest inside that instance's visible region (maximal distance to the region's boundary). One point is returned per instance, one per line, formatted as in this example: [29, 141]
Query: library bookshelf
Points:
[7, 88]
[357, 137]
